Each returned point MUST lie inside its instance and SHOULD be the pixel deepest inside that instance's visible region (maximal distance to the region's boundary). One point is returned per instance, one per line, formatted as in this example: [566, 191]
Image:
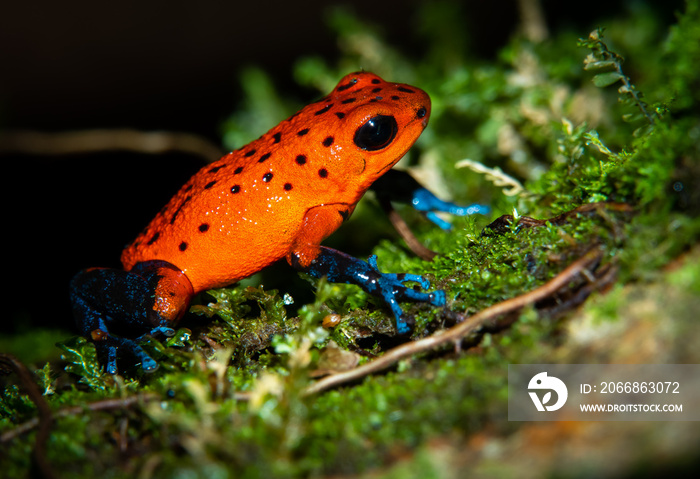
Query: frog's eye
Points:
[377, 133]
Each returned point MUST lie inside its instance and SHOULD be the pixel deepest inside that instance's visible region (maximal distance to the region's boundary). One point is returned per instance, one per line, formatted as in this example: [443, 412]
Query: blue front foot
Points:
[164, 330]
[423, 200]
[339, 267]
[112, 347]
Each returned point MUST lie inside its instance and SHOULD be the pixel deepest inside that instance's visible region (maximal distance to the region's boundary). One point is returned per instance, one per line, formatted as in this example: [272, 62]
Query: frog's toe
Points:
[438, 298]
[164, 330]
[126, 350]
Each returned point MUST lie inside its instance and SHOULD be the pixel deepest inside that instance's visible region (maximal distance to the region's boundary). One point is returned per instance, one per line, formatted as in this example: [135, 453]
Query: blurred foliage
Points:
[566, 120]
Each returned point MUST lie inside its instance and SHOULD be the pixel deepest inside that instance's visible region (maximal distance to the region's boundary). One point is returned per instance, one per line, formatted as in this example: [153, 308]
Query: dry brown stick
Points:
[45, 418]
[103, 405]
[532, 20]
[91, 141]
[504, 222]
[460, 331]
[405, 232]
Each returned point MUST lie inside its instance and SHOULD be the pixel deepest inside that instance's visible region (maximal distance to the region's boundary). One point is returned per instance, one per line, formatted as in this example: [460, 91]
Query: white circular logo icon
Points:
[542, 382]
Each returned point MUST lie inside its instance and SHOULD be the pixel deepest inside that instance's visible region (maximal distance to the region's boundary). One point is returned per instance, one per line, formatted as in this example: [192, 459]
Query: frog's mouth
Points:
[387, 167]
[424, 122]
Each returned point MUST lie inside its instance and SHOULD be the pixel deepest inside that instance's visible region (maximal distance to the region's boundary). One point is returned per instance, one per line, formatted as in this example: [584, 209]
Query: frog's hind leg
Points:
[115, 308]
[107, 302]
[399, 186]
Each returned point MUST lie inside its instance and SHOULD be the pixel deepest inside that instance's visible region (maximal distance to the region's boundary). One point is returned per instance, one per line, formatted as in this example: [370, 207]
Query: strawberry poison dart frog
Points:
[277, 197]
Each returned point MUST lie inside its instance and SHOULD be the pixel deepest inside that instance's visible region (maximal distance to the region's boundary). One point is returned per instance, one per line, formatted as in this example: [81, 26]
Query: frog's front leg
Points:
[115, 308]
[397, 185]
[309, 256]
[391, 288]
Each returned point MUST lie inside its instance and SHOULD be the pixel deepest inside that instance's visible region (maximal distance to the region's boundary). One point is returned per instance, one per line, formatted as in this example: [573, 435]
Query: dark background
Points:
[159, 65]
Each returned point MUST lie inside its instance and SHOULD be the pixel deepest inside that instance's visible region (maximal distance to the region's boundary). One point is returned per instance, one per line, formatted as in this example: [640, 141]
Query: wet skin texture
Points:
[278, 197]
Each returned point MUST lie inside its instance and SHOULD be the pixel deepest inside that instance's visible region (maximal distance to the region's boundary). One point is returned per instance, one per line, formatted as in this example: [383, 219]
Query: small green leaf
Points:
[632, 117]
[598, 65]
[604, 79]
[81, 357]
[643, 131]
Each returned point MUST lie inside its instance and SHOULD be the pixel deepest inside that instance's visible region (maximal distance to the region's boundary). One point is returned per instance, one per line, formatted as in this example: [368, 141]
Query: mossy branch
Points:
[609, 64]
[468, 326]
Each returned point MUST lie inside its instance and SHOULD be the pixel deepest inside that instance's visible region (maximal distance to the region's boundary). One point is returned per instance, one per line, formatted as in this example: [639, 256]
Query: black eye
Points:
[377, 133]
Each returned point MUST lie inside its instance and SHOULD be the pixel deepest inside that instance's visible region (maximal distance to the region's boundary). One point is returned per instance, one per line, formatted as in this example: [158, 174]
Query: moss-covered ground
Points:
[555, 124]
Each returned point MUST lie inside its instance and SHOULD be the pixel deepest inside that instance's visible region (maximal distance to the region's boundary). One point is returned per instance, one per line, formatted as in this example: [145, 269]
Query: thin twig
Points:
[45, 418]
[91, 141]
[532, 20]
[405, 232]
[104, 405]
[505, 222]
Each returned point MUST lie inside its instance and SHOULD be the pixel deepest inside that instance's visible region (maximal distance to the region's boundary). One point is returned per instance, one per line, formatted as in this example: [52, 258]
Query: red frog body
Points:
[286, 191]
[277, 197]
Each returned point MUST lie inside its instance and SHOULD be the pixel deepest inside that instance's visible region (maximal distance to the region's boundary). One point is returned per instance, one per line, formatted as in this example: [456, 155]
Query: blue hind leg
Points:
[115, 309]
[106, 301]
[399, 186]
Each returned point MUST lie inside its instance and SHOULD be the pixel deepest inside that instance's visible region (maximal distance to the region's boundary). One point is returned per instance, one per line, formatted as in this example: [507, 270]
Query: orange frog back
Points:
[245, 211]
